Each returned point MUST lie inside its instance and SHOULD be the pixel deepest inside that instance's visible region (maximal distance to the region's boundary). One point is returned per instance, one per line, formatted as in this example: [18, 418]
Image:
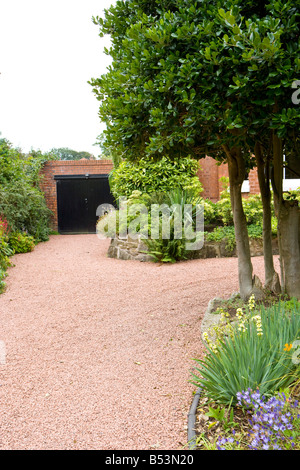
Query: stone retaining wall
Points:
[128, 248]
[133, 249]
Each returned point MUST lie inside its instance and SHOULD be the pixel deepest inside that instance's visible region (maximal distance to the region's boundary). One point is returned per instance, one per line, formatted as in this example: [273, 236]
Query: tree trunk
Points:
[236, 169]
[288, 215]
[289, 228]
[271, 277]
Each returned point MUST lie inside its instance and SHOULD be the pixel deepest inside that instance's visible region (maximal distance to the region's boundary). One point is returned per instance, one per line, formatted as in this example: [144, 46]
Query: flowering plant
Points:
[4, 227]
[253, 356]
[271, 421]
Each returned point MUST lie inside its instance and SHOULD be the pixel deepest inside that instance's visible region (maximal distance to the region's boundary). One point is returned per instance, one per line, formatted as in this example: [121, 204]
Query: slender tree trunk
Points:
[271, 277]
[288, 215]
[236, 169]
[277, 183]
[289, 228]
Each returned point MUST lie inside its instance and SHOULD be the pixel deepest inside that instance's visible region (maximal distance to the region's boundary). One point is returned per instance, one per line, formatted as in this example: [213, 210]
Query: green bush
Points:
[2, 282]
[222, 233]
[25, 209]
[255, 352]
[211, 213]
[5, 251]
[223, 209]
[149, 176]
[21, 200]
[252, 207]
[111, 223]
[24, 216]
[21, 242]
[292, 194]
[165, 250]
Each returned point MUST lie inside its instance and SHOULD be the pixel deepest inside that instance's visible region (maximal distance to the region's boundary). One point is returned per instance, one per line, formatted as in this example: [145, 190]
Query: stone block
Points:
[123, 254]
[226, 252]
[256, 247]
[112, 252]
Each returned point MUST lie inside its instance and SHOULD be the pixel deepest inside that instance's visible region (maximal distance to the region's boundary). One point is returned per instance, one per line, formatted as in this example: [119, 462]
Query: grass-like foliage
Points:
[260, 351]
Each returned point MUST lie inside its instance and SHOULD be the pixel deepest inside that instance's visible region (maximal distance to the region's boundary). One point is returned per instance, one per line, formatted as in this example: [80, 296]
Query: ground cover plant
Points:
[250, 377]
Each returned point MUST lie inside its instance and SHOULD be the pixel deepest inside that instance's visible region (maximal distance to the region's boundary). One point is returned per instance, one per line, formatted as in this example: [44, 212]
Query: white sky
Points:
[48, 52]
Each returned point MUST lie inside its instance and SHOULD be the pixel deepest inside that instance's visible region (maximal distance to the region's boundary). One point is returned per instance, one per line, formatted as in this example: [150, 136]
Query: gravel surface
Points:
[99, 351]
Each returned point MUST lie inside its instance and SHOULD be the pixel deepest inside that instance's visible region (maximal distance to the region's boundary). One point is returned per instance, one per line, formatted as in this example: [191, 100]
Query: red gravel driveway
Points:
[99, 351]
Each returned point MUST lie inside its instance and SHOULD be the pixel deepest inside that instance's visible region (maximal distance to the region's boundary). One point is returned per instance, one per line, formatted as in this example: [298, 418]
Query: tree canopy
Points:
[64, 153]
[206, 78]
[184, 73]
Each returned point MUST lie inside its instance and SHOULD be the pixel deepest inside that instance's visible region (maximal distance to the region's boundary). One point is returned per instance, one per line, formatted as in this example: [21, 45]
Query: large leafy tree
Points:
[64, 153]
[268, 54]
[201, 78]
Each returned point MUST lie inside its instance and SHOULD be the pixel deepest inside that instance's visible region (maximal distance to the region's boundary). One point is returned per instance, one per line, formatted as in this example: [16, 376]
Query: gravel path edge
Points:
[192, 420]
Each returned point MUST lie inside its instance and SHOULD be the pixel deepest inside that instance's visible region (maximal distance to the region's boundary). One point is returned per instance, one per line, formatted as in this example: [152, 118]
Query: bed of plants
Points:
[218, 222]
[24, 216]
[11, 243]
[250, 378]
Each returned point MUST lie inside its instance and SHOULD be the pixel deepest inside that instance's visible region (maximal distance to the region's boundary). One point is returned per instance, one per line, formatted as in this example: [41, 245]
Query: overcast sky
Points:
[48, 52]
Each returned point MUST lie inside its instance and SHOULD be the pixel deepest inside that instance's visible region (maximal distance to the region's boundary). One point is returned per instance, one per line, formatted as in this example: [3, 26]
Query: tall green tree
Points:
[181, 83]
[64, 153]
[268, 66]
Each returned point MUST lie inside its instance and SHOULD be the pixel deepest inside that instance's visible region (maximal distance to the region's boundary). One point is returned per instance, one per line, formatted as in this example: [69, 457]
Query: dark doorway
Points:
[78, 197]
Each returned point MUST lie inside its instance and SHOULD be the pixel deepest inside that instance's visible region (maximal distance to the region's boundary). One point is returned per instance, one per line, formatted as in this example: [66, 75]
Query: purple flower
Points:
[269, 420]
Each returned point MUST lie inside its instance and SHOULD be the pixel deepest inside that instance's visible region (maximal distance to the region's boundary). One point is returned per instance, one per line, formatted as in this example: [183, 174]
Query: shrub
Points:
[25, 209]
[149, 176]
[256, 352]
[222, 233]
[167, 251]
[211, 212]
[112, 224]
[292, 194]
[21, 242]
[163, 247]
[224, 210]
[21, 200]
[252, 207]
[5, 251]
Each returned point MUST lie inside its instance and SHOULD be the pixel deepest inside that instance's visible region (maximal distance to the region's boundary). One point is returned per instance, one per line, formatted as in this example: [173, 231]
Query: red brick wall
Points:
[210, 174]
[253, 182]
[68, 167]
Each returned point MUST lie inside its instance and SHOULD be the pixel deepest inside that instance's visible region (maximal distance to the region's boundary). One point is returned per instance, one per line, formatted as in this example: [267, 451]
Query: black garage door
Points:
[78, 197]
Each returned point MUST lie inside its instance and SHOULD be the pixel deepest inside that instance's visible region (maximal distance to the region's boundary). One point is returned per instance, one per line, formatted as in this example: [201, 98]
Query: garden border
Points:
[191, 433]
[208, 320]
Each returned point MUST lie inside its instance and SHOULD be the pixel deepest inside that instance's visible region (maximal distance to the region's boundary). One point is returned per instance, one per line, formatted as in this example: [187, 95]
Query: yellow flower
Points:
[287, 347]
[239, 313]
[251, 302]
